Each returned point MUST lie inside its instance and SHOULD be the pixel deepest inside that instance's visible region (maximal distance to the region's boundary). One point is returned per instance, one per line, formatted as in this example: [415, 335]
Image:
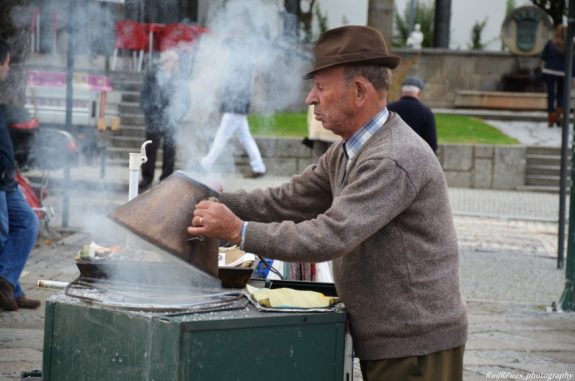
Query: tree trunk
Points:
[380, 16]
[442, 24]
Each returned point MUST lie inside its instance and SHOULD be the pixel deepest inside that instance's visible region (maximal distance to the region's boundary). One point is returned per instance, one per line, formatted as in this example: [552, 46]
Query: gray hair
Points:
[379, 76]
[410, 89]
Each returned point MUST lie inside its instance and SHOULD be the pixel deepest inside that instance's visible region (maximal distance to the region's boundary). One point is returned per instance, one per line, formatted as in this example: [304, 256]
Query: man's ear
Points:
[362, 87]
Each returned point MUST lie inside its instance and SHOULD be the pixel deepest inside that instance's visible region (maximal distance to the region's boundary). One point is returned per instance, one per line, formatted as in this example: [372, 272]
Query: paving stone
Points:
[508, 278]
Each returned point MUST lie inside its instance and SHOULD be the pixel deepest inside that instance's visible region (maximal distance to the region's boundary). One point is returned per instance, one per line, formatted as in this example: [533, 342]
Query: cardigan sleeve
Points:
[304, 197]
[377, 191]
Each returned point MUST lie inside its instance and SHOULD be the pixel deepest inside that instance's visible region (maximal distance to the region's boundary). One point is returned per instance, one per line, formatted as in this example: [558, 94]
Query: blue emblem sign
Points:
[526, 30]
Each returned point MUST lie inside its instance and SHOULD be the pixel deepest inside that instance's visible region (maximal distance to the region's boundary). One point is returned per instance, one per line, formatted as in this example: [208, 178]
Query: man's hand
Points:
[215, 220]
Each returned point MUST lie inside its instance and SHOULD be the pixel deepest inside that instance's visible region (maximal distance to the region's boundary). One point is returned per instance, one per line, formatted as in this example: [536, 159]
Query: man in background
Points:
[417, 115]
[164, 101]
[18, 224]
[235, 108]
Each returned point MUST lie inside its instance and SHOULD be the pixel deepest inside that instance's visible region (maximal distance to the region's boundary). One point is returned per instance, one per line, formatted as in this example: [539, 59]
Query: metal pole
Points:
[565, 141]
[69, 98]
[567, 300]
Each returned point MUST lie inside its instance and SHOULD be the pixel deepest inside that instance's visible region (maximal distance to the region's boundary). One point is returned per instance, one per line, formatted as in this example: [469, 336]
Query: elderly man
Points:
[417, 115]
[376, 204]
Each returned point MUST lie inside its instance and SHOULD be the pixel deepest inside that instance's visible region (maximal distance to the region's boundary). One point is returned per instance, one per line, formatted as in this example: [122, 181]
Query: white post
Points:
[136, 160]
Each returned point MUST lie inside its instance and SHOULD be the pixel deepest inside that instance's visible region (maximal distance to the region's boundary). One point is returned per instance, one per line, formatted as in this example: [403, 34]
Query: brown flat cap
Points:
[352, 44]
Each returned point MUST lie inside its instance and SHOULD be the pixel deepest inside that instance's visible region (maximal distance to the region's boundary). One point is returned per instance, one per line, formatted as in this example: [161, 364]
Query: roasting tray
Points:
[154, 273]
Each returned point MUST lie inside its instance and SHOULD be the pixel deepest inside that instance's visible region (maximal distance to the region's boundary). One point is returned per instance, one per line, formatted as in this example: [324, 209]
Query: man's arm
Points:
[304, 197]
[220, 220]
[379, 192]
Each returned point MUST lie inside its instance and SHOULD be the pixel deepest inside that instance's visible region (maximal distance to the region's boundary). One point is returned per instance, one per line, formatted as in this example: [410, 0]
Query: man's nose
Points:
[311, 98]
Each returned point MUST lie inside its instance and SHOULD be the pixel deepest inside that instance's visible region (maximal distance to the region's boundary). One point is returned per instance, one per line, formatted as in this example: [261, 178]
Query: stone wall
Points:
[483, 166]
[282, 156]
[465, 166]
[448, 71]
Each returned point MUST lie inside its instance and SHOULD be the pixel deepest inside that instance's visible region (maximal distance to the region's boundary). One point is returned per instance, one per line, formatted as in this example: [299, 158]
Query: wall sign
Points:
[526, 30]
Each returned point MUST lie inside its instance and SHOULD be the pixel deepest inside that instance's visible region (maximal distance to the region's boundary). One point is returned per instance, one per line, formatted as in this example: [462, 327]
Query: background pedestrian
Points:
[19, 225]
[552, 66]
[235, 107]
[417, 115]
[164, 100]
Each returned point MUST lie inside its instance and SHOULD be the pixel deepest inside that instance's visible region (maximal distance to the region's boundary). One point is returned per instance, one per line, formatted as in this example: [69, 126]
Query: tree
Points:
[380, 16]
[476, 32]
[554, 8]
[442, 23]
[305, 19]
[509, 7]
[321, 19]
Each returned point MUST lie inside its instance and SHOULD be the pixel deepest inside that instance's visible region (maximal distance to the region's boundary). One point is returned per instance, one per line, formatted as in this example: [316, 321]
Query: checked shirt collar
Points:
[354, 144]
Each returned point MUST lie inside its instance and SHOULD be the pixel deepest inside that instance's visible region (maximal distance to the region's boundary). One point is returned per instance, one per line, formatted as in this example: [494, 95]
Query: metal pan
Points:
[162, 214]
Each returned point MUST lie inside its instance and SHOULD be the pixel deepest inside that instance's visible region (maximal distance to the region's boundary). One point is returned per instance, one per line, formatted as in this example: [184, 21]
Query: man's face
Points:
[333, 99]
[4, 68]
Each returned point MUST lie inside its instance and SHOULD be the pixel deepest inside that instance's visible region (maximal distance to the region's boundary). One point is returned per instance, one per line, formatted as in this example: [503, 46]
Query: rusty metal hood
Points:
[161, 215]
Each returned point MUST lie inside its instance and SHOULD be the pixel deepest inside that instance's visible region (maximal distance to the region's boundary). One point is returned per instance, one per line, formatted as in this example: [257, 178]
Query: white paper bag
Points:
[323, 272]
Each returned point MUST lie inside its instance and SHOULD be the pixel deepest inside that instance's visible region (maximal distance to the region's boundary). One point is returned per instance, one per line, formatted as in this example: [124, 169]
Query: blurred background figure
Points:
[164, 100]
[552, 67]
[19, 226]
[417, 115]
[235, 108]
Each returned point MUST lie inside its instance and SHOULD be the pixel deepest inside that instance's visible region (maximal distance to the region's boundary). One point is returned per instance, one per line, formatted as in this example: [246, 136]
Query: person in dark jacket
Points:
[417, 115]
[19, 225]
[164, 100]
[552, 66]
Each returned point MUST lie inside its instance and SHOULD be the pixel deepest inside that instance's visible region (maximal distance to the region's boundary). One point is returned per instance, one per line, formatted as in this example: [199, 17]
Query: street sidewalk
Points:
[508, 275]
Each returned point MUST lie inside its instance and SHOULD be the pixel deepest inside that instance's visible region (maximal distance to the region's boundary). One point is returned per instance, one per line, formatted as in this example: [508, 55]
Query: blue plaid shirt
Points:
[353, 145]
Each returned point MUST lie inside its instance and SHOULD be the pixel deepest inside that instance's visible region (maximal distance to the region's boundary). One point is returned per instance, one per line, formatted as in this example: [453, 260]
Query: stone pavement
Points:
[508, 272]
[509, 277]
[531, 133]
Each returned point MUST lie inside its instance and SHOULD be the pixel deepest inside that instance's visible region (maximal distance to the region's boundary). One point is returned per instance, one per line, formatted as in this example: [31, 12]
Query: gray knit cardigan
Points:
[388, 228]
